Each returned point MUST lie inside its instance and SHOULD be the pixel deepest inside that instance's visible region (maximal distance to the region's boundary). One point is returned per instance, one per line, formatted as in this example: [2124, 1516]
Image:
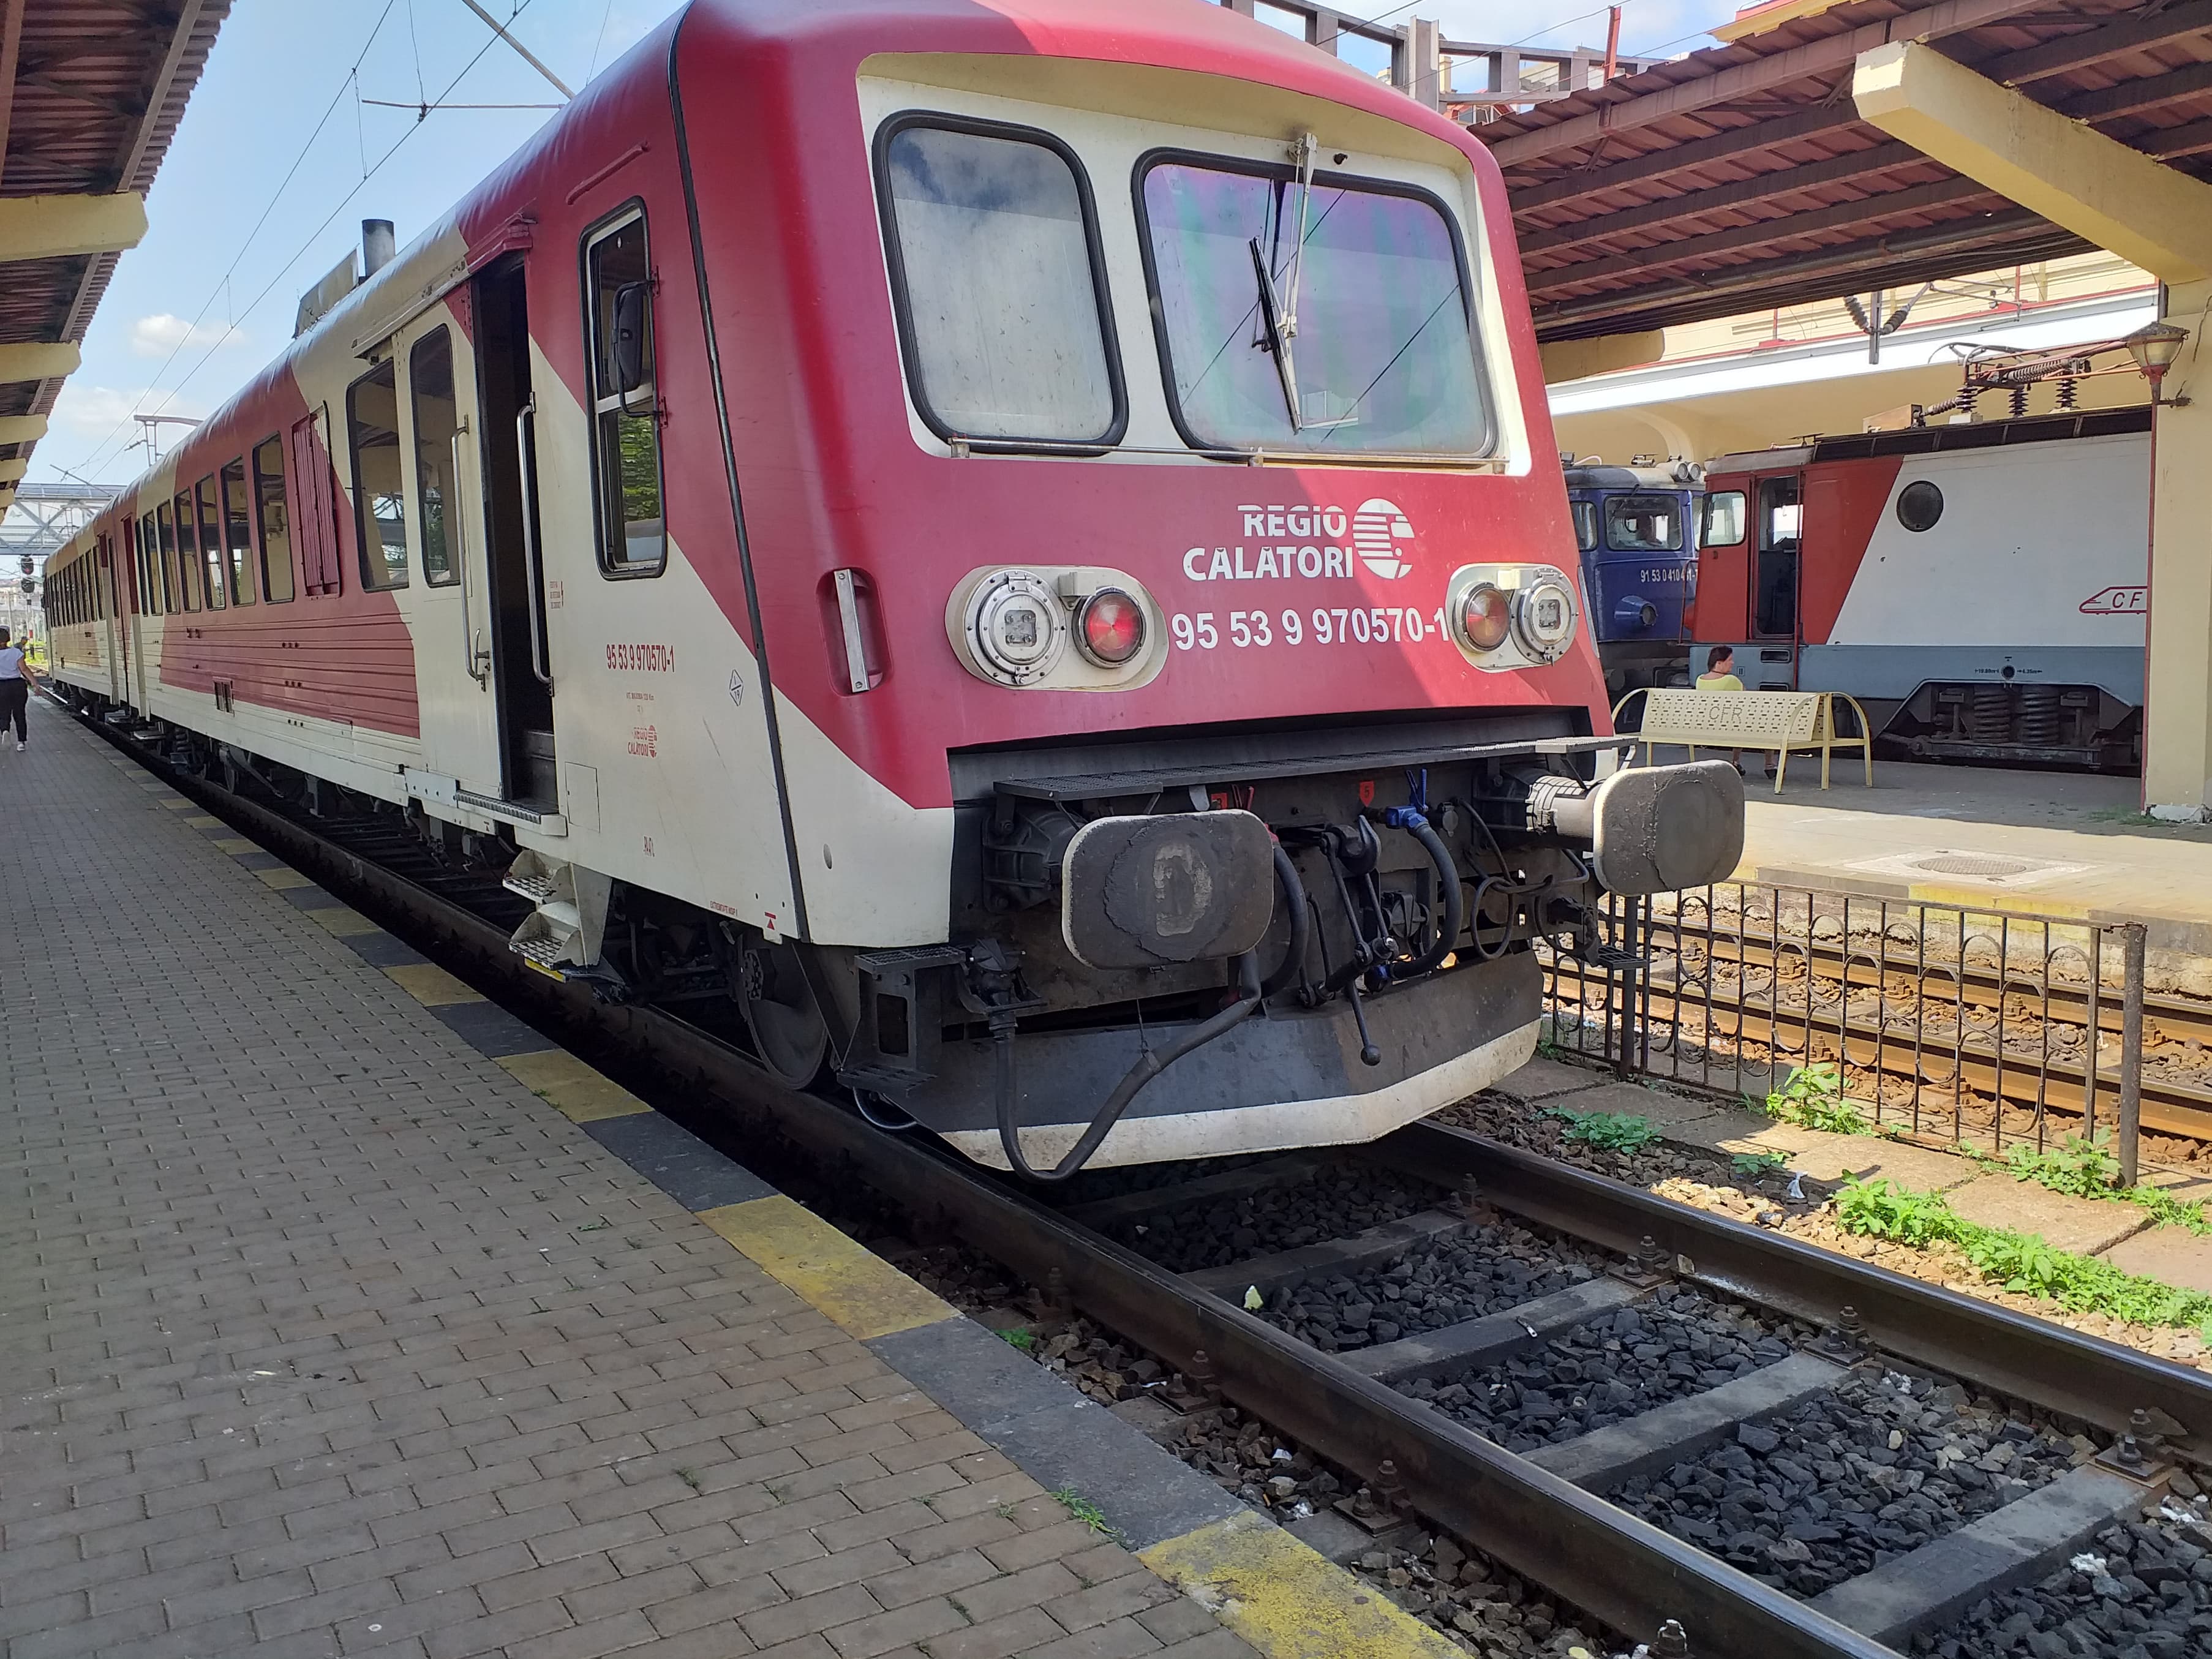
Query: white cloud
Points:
[160, 335]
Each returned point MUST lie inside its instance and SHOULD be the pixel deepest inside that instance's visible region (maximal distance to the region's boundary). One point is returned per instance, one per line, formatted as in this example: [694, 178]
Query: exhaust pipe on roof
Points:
[377, 246]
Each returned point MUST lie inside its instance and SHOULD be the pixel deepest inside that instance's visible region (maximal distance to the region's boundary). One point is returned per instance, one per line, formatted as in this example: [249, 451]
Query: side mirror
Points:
[633, 324]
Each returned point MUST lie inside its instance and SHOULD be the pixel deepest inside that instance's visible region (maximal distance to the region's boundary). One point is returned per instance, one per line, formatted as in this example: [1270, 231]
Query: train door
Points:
[112, 620]
[1778, 539]
[507, 571]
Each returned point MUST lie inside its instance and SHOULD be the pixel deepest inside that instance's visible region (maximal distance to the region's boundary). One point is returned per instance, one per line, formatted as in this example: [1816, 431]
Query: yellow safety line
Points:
[343, 921]
[577, 1091]
[231, 843]
[863, 1293]
[431, 985]
[284, 877]
[1286, 1599]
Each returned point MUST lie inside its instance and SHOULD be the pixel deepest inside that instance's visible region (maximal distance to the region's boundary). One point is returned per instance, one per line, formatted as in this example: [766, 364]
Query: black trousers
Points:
[15, 697]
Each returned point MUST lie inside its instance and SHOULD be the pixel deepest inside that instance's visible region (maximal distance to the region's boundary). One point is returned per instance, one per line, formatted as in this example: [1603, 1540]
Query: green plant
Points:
[1019, 1339]
[689, 1478]
[1608, 1132]
[1813, 1098]
[1083, 1510]
[2021, 1262]
[1757, 1166]
[2082, 1168]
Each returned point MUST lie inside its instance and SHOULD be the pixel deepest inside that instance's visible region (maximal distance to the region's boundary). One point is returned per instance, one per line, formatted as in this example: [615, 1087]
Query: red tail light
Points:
[1109, 628]
[1485, 616]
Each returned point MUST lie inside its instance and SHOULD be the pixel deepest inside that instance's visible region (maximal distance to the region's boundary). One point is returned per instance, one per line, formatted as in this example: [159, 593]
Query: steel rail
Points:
[1597, 1558]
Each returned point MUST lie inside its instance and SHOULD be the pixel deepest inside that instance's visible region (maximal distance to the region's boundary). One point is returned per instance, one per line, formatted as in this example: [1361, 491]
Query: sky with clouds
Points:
[249, 209]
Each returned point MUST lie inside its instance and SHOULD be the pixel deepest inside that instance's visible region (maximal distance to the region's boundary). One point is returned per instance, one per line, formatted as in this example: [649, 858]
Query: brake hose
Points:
[1292, 970]
[1416, 824]
[1149, 1065]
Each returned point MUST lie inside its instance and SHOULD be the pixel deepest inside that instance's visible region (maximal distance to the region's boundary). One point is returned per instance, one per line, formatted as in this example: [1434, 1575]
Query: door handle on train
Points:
[526, 431]
[478, 663]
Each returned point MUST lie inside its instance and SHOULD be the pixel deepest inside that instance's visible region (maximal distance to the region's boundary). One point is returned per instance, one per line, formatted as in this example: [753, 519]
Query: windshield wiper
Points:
[1279, 308]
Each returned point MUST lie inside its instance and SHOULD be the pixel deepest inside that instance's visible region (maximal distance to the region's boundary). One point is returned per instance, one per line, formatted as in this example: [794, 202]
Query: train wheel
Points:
[788, 1032]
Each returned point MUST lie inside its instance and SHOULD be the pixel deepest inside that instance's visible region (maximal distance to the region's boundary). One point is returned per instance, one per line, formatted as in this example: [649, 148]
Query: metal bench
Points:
[1777, 720]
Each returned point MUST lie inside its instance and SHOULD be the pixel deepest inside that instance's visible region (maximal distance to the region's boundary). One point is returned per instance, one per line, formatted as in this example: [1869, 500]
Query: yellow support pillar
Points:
[21, 429]
[2117, 197]
[2177, 717]
[2161, 219]
[38, 362]
[62, 226]
[12, 472]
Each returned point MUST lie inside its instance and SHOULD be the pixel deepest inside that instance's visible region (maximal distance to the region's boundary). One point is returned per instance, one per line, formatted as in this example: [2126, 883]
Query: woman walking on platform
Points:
[15, 683]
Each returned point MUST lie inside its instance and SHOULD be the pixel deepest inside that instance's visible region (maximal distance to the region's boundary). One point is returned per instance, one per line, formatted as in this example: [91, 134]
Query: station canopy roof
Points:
[1740, 178]
[91, 92]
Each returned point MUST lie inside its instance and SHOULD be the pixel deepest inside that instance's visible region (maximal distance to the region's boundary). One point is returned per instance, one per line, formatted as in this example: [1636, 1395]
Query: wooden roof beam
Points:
[1786, 180]
[2150, 213]
[2071, 52]
[1918, 198]
[1815, 57]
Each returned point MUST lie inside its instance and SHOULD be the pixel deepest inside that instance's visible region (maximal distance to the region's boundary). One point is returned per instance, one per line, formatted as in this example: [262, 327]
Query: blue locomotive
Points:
[1638, 529]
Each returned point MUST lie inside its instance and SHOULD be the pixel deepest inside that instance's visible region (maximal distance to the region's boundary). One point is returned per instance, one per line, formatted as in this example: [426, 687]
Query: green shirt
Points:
[1719, 683]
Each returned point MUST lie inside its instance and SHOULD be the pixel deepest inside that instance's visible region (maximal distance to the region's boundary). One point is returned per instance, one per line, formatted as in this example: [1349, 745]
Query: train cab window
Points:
[625, 399]
[993, 250]
[1781, 516]
[275, 512]
[380, 501]
[437, 420]
[1720, 521]
[1643, 524]
[188, 574]
[238, 534]
[1383, 358]
[212, 555]
[1585, 524]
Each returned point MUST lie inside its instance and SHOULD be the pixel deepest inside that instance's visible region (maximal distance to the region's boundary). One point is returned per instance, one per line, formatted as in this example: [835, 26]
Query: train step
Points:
[569, 916]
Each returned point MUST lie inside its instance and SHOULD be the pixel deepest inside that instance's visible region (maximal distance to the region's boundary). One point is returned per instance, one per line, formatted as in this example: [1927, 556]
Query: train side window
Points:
[437, 419]
[1000, 287]
[1585, 524]
[275, 513]
[238, 534]
[625, 398]
[149, 556]
[188, 578]
[379, 500]
[1643, 524]
[315, 520]
[210, 516]
[1720, 522]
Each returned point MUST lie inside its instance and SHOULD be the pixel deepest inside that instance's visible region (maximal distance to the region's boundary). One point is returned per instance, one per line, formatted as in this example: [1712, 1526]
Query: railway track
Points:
[1929, 1028]
[1731, 1343]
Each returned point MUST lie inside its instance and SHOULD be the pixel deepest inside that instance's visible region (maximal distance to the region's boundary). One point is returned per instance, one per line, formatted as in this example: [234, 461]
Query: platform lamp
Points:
[2155, 346]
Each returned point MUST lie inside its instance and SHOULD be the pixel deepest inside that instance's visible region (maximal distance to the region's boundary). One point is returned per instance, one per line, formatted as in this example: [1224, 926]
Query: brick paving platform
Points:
[341, 1318]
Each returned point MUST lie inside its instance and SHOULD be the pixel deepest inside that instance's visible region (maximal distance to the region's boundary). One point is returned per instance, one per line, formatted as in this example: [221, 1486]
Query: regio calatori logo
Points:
[1312, 543]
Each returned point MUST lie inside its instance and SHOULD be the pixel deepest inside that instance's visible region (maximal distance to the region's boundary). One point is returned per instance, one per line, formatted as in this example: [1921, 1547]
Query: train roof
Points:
[1945, 439]
[1675, 475]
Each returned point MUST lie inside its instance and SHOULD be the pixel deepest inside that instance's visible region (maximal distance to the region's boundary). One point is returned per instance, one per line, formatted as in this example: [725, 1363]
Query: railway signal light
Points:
[1485, 615]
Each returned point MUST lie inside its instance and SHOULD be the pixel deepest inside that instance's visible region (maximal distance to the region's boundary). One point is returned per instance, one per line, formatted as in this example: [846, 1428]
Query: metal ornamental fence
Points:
[1944, 1022]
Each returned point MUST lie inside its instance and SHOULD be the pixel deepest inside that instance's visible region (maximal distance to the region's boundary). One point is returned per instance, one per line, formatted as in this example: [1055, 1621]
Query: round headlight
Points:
[1016, 627]
[1485, 615]
[1544, 617]
[1109, 628]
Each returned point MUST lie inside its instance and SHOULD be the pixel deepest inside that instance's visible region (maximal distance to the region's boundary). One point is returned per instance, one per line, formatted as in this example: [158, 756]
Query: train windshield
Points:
[1381, 331]
[1643, 524]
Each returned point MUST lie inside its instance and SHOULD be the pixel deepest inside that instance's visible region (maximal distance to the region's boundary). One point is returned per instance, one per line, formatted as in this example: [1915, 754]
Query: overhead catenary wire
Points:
[368, 173]
[222, 284]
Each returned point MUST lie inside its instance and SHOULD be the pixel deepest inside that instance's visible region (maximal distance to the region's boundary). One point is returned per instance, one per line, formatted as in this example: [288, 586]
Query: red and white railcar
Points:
[1015, 541]
[1980, 588]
